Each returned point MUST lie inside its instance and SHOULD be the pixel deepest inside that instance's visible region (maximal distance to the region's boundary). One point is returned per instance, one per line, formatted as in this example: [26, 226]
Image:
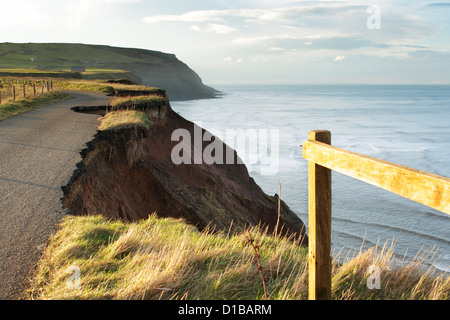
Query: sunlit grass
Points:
[13, 108]
[160, 258]
[96, 86]
[26, 70]
[133, 101]
[124, 119]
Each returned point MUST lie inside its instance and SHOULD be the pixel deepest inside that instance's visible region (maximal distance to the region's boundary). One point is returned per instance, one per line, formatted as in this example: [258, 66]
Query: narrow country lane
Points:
[38, 154]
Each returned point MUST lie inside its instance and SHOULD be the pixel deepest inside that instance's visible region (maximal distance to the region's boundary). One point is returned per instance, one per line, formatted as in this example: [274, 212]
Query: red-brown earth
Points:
[129, 174]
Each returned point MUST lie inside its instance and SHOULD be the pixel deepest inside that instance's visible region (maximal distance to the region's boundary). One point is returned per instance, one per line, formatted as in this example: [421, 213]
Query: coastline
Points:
[301, 107]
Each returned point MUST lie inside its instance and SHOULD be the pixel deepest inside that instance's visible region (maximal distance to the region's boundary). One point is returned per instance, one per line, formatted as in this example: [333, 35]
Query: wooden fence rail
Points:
[425, 188]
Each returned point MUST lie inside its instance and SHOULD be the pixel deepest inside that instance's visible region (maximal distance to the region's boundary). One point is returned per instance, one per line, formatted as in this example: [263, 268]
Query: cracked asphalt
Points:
[39, 151]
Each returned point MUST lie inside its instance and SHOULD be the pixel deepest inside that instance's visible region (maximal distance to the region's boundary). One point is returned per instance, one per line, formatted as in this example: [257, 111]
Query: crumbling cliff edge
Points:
[129, 174]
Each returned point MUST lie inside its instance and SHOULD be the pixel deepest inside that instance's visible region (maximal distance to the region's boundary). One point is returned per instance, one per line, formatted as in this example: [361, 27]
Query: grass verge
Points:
[14, 108]
[166, 258]
[116, 120]
[96, 86]
[131, 102]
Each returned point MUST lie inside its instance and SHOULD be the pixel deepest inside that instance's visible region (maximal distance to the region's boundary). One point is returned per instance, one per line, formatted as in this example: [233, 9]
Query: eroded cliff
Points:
[129, 174]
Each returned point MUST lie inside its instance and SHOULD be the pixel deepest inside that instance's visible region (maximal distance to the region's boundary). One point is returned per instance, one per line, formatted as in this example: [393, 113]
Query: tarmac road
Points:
[38, 154]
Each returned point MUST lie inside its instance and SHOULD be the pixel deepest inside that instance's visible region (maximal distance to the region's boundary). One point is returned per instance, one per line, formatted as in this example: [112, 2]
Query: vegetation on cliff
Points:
[125, 119]
[165, 258]
[97, 85]
[131, 102]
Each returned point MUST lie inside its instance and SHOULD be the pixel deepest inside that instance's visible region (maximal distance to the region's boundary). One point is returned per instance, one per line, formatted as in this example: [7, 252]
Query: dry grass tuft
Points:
[131, 102]
[124, 119]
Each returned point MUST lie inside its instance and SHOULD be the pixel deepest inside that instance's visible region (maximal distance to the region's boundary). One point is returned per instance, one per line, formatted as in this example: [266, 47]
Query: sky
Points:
[257, 42]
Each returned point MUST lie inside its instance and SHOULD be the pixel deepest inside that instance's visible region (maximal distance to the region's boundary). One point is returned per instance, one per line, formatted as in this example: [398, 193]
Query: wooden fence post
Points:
[319, 203]
[14, 93]
[23, 89]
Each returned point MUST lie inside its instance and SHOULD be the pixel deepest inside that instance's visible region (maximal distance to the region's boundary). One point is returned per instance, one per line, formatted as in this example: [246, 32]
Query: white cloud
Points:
[294, 41]
[275, 49]
[250, 15]
[214, 28]
[230, 59]
[346, 19]
[191, 16]
[261, 40]
[121, 1]
[339, 58]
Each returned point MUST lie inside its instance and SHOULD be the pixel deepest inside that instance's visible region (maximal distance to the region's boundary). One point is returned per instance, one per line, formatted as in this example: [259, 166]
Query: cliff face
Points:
[164, 70]
[129, 174]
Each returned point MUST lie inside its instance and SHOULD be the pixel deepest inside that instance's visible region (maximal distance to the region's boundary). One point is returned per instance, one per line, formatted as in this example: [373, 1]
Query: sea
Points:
[404, 124]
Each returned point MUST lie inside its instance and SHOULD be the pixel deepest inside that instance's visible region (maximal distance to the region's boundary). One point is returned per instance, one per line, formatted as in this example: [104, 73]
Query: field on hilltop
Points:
[60, 56]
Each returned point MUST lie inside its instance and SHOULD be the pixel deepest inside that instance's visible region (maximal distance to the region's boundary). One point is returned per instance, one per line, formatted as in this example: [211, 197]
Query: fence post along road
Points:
[426, 188]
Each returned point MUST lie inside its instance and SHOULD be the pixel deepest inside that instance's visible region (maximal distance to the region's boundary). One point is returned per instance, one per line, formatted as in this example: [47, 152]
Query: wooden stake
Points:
[319, 203]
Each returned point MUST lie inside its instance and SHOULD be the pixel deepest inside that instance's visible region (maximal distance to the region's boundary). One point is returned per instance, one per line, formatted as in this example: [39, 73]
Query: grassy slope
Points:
[169, 259]
[61, 56]
[98, 86]
[117, 120]
[102, 62]
[56, 56]
[130, 101]
[15, 108]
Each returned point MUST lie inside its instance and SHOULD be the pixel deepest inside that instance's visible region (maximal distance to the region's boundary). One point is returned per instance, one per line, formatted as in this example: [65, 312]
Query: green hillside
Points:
[62, 56]
[145, 67]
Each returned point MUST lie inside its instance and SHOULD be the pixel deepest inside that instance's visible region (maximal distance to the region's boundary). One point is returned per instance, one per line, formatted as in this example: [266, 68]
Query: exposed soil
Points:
[100, 110]
[133, 93]
[129, 174]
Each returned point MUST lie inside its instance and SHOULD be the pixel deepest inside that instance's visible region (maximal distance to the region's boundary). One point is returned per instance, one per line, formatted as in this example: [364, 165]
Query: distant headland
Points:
[141, 66]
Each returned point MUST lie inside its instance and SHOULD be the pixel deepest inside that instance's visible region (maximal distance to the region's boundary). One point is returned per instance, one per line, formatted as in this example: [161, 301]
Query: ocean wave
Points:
[395, 229]
[443, 263]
